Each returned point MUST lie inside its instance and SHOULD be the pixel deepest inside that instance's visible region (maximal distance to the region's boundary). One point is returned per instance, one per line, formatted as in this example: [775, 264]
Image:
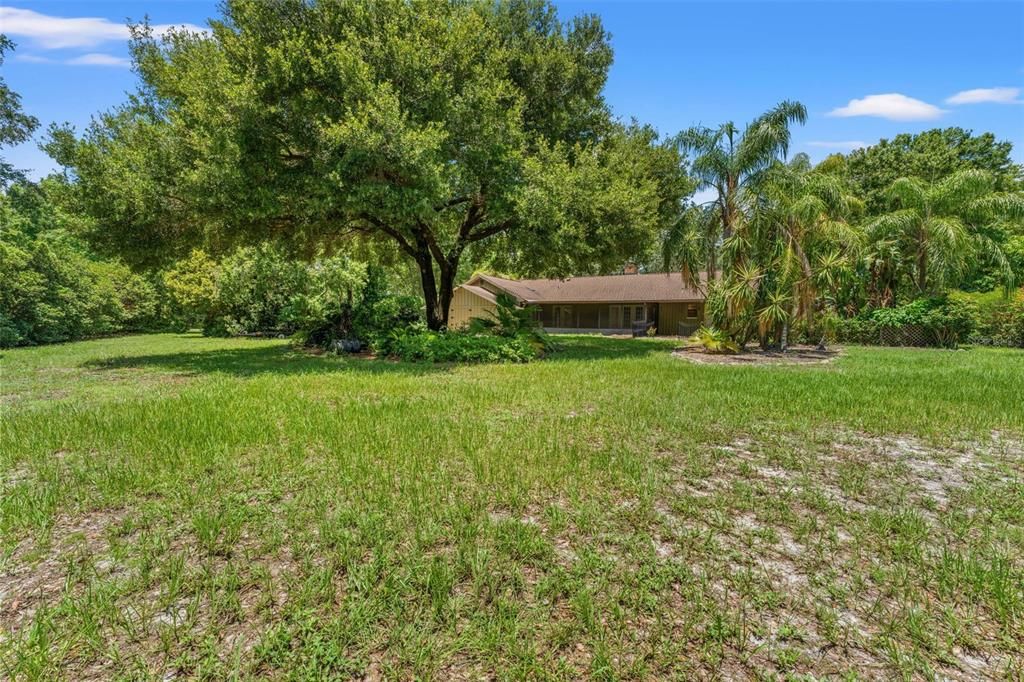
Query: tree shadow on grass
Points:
[247, 362]
[288, 360]
[597, 347]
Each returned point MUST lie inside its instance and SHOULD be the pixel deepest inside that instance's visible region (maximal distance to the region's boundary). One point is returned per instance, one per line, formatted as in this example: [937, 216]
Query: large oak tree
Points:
[447, 128]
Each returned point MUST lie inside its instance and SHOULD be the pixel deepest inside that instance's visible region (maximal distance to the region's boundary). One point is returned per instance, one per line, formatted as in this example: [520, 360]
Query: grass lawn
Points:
[174, 507]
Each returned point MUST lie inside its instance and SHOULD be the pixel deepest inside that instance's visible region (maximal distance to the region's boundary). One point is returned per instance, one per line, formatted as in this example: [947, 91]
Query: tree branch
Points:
[430, 241]
[391, 232]
[452, 202]
[489, 231]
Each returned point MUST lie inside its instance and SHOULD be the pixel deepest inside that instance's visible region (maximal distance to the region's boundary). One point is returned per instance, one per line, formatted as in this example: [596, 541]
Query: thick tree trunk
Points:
[430, 297]
[447, 291]
[438, 289]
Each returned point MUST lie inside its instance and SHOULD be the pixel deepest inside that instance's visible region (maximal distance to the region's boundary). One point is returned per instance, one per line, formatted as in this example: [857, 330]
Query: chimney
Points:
[630, 269]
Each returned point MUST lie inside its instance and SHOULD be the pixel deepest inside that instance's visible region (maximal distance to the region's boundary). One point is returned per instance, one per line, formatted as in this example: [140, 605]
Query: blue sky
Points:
[865, 70]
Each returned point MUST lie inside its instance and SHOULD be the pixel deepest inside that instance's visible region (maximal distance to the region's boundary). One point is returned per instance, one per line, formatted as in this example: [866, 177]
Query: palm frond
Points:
[960, 189]
[908, 193]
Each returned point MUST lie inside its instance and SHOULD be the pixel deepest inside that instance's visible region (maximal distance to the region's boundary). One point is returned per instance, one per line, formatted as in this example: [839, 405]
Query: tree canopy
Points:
[931, 156]
[446, 128]
[15, 125]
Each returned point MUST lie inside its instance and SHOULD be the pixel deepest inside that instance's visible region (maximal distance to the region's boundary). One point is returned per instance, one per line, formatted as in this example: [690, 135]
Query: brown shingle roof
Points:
[481, 292]
[664, 286]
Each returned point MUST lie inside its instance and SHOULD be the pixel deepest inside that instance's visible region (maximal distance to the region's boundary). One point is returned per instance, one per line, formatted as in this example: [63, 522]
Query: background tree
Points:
[938, 232]
[447, 128]
[931, 156]
[15, 125]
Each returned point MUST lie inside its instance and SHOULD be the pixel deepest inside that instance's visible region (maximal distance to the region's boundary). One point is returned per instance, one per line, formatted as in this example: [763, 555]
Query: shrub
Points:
[420, 345]
[191, 286]
[999, 319]
[322, 312]
[860, 330]
[714, 340]
[1009, 322]
[50, 291]
[512, 320]
[378, 313]
[944, 321]
[254, 286]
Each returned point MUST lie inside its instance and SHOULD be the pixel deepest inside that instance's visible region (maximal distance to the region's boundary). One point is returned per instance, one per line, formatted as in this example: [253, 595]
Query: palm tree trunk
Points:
[922, 269]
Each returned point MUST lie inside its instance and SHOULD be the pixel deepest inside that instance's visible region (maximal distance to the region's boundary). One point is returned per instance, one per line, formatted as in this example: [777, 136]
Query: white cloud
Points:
[99, 59]
[981, 95]
[51, 33]
[90, 59]
[893, 106]
[838, 144]
[33, 59]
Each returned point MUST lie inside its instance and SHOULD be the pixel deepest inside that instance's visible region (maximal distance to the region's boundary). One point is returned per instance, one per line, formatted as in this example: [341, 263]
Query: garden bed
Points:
[794, 355]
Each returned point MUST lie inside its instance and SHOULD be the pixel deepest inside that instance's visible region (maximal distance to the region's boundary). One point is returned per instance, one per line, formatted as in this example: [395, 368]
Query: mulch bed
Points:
[794, 355]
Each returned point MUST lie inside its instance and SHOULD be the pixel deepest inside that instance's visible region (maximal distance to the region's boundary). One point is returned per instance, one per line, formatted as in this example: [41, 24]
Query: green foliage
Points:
[52, 288]
[1009, 323]
[324, 310]
[52, 292]
[732, 163]
[999, 319]
[795, 241]
[944, 321]
[261, 290]
[447, 129]
[937, 233]
[929, 156]
[511, 320]
[15, 125]
[422, 345]
[714, 340]
[510, 334]
[256, 287]
[192, 285]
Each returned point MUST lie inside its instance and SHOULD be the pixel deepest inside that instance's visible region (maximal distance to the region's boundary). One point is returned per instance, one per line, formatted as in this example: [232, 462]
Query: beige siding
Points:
[671, 314]
[465, 306]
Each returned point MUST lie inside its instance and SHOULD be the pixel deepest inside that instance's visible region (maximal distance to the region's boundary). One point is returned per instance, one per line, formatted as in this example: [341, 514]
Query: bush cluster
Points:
[260, 290]
[510, 334]
[1000, 319]
[50, 291]
[944, 321]
[421, 345]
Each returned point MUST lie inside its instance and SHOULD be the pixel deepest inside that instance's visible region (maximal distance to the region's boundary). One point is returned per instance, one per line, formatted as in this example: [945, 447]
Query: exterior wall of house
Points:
[465, 306]
[580, 316]
[672, 318]
[680, 318]
[592, 316]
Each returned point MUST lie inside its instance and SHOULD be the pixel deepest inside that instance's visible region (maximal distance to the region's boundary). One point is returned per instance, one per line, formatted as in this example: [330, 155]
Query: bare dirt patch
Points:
[794, 355]
[36, 576]
[832, 554]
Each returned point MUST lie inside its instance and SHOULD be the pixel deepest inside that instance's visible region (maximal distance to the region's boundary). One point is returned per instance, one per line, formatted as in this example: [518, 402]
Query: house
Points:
[609, 304]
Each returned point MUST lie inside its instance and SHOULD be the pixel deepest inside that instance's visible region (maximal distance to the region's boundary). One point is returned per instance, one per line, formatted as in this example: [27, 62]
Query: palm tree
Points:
[729, 163]
[804, 216]
[938, 231]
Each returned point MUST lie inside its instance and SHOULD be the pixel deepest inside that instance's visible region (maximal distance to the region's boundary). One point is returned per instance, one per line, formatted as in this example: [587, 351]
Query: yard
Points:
[180, 507]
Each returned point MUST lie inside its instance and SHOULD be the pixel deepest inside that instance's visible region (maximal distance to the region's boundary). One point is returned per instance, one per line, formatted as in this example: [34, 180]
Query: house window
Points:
[563, 316]
[691, 310]
[638, 316]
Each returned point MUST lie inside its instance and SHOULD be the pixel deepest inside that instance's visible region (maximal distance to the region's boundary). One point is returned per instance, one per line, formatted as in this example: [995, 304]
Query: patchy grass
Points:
[179, 507]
